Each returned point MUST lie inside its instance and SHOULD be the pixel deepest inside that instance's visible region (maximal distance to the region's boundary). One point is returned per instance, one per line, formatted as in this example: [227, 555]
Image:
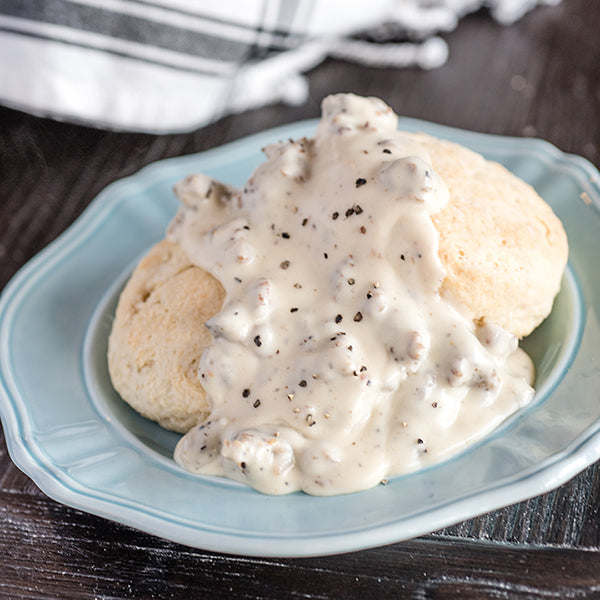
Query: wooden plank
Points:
[567, 516]
[50, 551]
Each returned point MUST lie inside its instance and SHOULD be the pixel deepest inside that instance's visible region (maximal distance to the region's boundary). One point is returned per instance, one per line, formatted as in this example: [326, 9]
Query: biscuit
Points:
[158, 336]
[503, 248]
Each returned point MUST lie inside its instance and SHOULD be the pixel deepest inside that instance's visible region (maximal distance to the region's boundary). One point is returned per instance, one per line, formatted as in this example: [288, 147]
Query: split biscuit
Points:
[503, 248]
[158, 336]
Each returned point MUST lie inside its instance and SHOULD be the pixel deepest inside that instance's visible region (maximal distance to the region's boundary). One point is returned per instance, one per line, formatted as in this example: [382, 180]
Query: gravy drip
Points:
[336, 362]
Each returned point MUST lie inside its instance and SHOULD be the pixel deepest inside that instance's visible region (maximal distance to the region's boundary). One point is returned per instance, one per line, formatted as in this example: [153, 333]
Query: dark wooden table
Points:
[540, 77]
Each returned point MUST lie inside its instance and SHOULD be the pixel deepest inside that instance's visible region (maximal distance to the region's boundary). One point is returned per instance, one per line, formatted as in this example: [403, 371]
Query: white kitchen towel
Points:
[174, 65]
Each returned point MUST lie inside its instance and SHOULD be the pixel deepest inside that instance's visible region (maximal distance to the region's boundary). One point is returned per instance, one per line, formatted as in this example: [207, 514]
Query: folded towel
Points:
[175, 65]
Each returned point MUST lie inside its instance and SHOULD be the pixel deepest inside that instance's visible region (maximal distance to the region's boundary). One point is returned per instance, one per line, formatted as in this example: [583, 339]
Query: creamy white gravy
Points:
[336, 362]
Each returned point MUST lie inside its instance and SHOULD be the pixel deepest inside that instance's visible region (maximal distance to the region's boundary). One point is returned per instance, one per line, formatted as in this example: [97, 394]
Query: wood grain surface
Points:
[539, 77]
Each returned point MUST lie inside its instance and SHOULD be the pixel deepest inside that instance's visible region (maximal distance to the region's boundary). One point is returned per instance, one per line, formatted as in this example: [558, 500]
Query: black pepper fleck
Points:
[257, 340]
[402, 257]
[419, 441]
[363, 229]
[358, 316]
[325, 255]
[351, 281]
[302, 383]
[338, 318]
[294, 309]
[387, 151]
[360, 181]
[246, 393]
[285, 264]
[285, 235]
[304, 221]
[349, 212]
[357, 209]
[335, 215]
[243, 465]
[257, 403]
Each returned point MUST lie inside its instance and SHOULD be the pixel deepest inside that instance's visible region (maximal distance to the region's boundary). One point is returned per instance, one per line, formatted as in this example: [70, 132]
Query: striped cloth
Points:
[174, 65]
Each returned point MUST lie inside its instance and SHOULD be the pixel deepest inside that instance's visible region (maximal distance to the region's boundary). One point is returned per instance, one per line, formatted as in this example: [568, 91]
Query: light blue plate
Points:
[68, 430]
